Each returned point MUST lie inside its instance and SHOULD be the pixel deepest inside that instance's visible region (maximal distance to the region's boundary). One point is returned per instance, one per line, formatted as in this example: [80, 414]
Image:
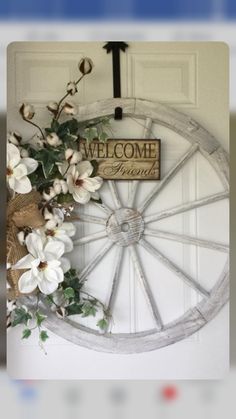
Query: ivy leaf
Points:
[43, 336]
[65, 198]
[26, 333]
[48, 159]
[103, 136]
[90, 133]
[102, 324]
[69, 293]
[74, 309]
[20, 316]
[89, 309]
[39, 318]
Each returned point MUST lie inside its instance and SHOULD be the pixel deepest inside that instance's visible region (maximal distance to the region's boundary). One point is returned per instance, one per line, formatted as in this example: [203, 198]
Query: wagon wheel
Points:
[127, 228]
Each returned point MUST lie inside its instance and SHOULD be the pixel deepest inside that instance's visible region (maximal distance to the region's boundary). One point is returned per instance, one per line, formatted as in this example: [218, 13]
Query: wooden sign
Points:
[124, 159]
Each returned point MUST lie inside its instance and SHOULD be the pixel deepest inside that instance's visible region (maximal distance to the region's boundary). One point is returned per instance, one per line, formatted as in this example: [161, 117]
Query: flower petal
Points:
[54, 250]
[81, 195]
[24, 263]
[92, 183]
[34, 245]
[20, 171]
[13, 155]
[85, 169]
[69, 228]
[22, 185]
[54, 275]
[47, 287]
[65, 264]
[27, 282]
[31, 164]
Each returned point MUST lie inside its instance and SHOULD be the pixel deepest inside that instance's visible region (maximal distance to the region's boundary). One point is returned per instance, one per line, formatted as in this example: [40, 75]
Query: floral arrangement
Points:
[46, 178]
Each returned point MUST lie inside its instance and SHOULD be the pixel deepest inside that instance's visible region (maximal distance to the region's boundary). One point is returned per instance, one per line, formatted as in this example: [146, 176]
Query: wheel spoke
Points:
[159, 186]
[115, 279]
[186, 239]
[186, 207]
[142, 278]
[114, 194]
[102, 206]
[135, 183]
[90, 237]
[96, 259]
[88, 219]
[174, 268]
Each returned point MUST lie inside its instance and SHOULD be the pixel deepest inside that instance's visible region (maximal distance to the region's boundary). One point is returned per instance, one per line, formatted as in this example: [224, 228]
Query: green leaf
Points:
[65, 198]
[102, 324]
[89, 309]
[103, 136]
[43, 336]
[20, 316]
[69, 292]
[26, 333]
[47, 158]
[90, 134]
[39, 318]
[74, 309]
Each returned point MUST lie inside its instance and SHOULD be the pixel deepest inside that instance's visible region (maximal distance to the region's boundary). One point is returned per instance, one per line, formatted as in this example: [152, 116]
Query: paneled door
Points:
[184, 251]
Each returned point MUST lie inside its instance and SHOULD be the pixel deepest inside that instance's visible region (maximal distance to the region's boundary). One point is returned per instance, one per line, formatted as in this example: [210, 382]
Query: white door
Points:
[193, 78]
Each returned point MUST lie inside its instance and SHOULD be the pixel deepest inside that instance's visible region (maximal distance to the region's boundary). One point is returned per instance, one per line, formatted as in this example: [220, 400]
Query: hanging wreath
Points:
[46, 178]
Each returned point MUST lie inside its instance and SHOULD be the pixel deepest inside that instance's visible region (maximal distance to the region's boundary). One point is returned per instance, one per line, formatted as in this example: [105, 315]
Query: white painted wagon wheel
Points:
[127, 228]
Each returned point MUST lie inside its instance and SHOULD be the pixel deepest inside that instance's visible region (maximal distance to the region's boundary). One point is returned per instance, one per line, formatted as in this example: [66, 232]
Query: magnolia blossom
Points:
[73, 156]
[62, 232]
[17, 170]
[85, 65]
[72, 88]
[80, 184]
[69, 108]
[14, 138]
[53, 139]
[27, 111]
[45, 269]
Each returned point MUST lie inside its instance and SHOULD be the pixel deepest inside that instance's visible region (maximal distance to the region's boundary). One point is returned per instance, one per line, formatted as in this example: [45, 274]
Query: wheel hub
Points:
[125, 226]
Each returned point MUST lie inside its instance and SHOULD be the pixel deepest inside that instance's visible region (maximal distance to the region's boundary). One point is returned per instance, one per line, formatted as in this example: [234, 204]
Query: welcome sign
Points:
[124, 159]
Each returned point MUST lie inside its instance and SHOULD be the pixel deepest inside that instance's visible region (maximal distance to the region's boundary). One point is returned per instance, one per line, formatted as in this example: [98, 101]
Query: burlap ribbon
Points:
[22, 212]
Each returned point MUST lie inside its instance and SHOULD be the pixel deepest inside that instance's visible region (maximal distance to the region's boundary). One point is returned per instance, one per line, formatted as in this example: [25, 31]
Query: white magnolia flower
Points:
[14, 138]
[72, 88]
[18, 169]
[80, 184]
[73, 156]
[45, 269]
[69, 109]
[60, 186]
[53, 139]
[53, 107]
[85, 65]
[27, 111]
[62, 232]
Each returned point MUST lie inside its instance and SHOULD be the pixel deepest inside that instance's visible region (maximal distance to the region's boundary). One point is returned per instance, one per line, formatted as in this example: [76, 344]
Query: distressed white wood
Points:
[86, 218]
[96, 259]
[186, 207]
[115, 281]
[144, 282]
[90, 238]
[103, 207]
[125, 226]
[174, 268]
[186, 239]
[114, 194]
[160, 185]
